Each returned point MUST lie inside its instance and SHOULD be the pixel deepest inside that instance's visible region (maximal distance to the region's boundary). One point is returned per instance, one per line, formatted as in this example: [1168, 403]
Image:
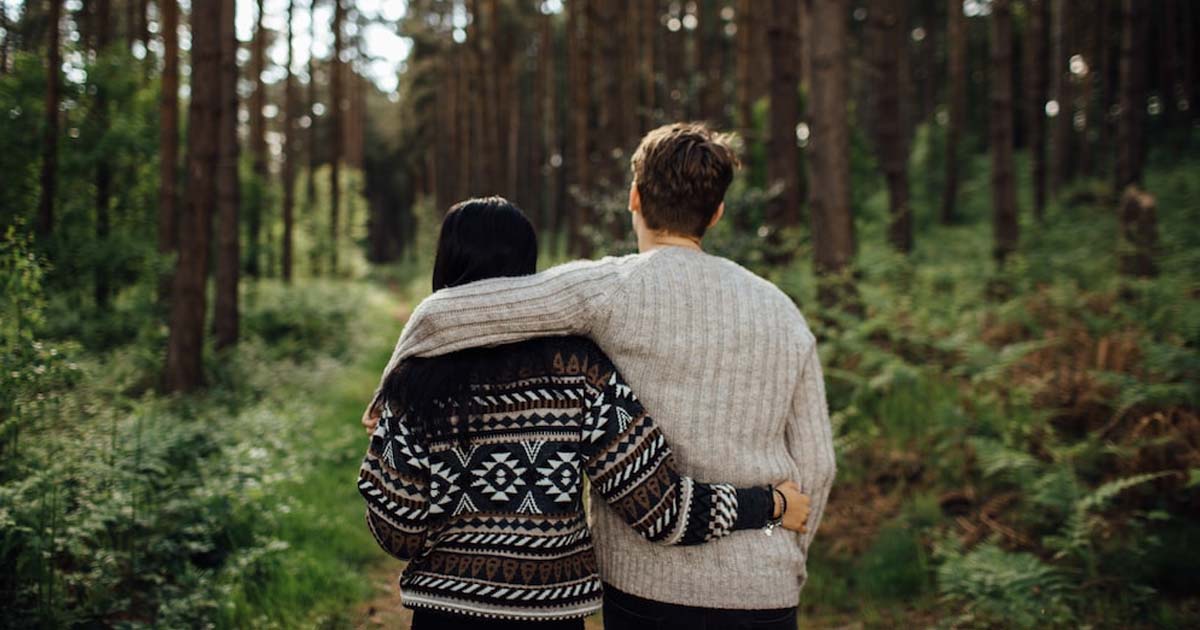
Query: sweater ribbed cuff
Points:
[755, 508]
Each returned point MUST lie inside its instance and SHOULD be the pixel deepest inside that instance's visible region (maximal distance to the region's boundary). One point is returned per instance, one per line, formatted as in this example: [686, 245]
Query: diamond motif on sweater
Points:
[499, 477]
[560, 476]
[441, 487]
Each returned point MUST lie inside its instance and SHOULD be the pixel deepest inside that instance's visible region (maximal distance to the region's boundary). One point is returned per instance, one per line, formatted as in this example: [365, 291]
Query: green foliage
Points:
[210, 511]
[1000, 589]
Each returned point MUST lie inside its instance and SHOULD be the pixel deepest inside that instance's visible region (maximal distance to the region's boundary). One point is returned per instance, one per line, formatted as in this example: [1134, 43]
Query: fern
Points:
[1015, 590]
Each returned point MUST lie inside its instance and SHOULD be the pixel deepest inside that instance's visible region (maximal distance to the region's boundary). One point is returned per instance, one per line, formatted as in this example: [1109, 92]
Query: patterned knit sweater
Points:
[491, 519]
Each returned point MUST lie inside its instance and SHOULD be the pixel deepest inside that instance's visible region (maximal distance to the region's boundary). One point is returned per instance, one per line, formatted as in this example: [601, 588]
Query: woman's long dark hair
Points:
[480, 239]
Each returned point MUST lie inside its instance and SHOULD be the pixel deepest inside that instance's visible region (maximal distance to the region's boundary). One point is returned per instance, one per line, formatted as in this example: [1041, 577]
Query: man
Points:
[722, 357]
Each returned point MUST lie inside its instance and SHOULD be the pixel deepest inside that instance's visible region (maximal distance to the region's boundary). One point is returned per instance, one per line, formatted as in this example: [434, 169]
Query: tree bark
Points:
[956, 62]
[1132, 100]
[783, 162]
[168, 132]
[889, 25]
[1035, 69]
[185, 342]
[1004, 194]
[258, 140]
[289, 152]
[310, 197]
[336, 135]
[1061, 50]
[710, 57]
[103, 288]
[225, 314]
[832, 217]
[649, 28]
[745, 70]
[49, 179]
[578, 48]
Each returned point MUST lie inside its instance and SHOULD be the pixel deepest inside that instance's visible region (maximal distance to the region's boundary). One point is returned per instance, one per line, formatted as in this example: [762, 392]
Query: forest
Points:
[215, 216]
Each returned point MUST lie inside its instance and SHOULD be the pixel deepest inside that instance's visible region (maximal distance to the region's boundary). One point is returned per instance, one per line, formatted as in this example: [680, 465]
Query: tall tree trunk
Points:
[144, 24]
[168, 133]
[103, 288]
[832, 219]
[710, 57]
[185, 342]
[1004, 192]
[310, 197]
[1035, 69]
[649, 28]
[1061, 51]
[675, 70]
[258, 140]
[889, 25]
[956, 62]
[1132, 103]
[225, 314]
[746, 21]
[289, 152]
[336, 134]
[578, 48]
[783, 163]
[552, 158]
[45, 224]
[1168, 65]
[541, 106]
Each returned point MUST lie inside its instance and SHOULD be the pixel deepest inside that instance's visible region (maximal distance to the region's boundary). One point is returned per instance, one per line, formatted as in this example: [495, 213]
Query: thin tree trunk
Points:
[578, 49]
[745, 69]
[956, 61]
[168, 133]
[310, 197]
[1035, 48]
[185, 342]
[832, 219]
[1004, 194]
[710, 53]
[45, 224]
[289, 152]
[1132, 102]
[258, 140]
[225, 314]
[889, 24]
[103, 288]
[646, 67]
[1060, 165]
[783, 163]
[336, 133]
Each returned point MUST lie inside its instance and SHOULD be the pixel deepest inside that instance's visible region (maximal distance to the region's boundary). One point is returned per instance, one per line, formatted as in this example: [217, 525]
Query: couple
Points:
[501, 398]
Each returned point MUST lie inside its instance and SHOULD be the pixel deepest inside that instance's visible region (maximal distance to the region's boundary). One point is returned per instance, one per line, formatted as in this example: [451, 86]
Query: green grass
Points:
[323, 572]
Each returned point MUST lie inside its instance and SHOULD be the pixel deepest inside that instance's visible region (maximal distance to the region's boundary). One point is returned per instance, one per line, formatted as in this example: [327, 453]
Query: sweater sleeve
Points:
[394, 481]
[568, 299]
[809, 437]
[631, 466]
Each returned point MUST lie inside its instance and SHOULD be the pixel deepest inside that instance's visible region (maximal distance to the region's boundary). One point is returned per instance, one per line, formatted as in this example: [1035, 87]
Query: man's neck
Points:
[657, 240]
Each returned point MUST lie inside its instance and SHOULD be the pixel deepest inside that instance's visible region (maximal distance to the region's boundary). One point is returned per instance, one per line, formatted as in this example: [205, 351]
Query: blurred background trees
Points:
[192, 192]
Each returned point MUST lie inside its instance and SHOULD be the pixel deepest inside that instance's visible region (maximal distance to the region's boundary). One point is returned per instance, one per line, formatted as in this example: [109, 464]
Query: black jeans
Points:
[623, 611]
[424, 619]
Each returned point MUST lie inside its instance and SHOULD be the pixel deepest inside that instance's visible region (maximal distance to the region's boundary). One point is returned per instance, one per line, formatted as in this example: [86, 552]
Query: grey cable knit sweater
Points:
[724, 361]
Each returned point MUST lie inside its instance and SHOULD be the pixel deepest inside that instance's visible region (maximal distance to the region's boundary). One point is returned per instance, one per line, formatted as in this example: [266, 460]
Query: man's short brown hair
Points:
[682, 171]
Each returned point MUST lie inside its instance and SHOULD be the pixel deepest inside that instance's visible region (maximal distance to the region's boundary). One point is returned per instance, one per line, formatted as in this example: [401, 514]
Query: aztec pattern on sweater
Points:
[493, 522]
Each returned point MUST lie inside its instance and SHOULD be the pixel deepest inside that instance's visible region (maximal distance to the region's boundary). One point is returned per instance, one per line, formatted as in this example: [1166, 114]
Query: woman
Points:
[475, 470]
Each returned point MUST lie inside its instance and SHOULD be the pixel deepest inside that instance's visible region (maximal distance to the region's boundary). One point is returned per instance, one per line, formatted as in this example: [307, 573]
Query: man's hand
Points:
[370, 420]
[798, 506]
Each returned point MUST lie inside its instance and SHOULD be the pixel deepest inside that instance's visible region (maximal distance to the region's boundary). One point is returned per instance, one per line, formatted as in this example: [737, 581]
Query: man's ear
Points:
[717, 215]
[635, 198]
